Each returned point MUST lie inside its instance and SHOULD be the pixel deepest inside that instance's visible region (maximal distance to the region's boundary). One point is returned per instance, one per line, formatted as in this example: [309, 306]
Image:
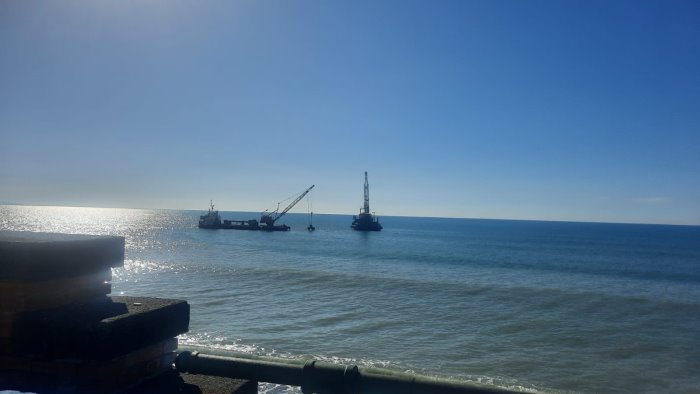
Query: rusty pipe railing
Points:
[323, 378]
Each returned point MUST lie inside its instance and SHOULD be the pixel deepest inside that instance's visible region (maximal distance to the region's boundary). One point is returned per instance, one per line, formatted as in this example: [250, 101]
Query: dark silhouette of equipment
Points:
[212, 220]
[311, 217]
[366, 221]
[267, 220]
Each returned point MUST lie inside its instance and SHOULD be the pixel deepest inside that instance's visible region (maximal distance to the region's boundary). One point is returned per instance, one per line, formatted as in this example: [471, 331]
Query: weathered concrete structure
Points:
[61, 332]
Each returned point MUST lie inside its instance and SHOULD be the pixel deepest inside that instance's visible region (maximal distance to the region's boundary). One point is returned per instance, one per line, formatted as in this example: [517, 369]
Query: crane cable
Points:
[286, 199]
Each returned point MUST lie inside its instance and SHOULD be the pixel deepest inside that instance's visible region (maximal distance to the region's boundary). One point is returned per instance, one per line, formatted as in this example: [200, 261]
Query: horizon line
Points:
[9, 203]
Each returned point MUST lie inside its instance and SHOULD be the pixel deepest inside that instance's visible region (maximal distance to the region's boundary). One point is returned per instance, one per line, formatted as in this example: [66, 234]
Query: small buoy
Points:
[311, 228]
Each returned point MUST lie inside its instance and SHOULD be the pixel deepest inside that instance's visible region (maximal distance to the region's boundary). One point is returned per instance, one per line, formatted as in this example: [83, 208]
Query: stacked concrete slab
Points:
[60, 331]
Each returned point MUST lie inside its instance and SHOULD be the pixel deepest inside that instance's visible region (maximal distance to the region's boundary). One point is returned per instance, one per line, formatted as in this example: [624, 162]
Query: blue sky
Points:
[554, 110]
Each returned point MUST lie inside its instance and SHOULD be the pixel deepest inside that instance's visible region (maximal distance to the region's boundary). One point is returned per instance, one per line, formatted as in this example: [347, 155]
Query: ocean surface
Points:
[534, 306]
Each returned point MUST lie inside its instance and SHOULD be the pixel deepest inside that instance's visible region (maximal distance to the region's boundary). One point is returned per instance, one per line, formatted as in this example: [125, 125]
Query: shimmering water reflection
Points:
[543, 306]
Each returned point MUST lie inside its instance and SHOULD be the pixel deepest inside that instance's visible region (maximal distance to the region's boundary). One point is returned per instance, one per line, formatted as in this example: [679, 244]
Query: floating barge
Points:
[212, 220]
[366, 221]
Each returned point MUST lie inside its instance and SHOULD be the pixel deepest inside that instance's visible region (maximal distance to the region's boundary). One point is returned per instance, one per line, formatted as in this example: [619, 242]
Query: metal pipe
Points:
[323, 378]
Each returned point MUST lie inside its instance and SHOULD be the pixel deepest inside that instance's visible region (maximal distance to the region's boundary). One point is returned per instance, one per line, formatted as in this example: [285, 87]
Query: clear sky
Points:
[555, 110]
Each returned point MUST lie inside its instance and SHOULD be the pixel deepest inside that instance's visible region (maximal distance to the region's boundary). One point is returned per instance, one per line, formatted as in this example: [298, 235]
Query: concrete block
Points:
[72, 375]
[29, 256]
[98, 330]
[172, 382]
[121, 371]
[21, 296]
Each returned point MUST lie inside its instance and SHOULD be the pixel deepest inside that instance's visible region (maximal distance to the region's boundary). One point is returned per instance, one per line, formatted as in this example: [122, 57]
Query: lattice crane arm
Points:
[296, 200]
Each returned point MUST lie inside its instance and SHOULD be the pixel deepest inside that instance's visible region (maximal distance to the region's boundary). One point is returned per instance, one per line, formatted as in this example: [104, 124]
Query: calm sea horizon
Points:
[529, 305]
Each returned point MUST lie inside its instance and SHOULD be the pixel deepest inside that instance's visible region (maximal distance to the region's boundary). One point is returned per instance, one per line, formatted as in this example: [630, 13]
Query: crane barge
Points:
[212, 220]
[366, 221]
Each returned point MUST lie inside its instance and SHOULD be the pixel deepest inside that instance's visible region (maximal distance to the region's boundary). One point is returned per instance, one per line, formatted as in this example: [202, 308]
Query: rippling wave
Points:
[535, 306]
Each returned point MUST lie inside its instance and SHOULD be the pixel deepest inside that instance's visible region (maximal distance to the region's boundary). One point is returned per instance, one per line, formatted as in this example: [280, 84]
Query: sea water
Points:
[534, 306]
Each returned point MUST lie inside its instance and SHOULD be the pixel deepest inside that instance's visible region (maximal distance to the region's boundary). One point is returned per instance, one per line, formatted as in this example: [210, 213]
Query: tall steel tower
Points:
[365, 221]
[366, 207]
